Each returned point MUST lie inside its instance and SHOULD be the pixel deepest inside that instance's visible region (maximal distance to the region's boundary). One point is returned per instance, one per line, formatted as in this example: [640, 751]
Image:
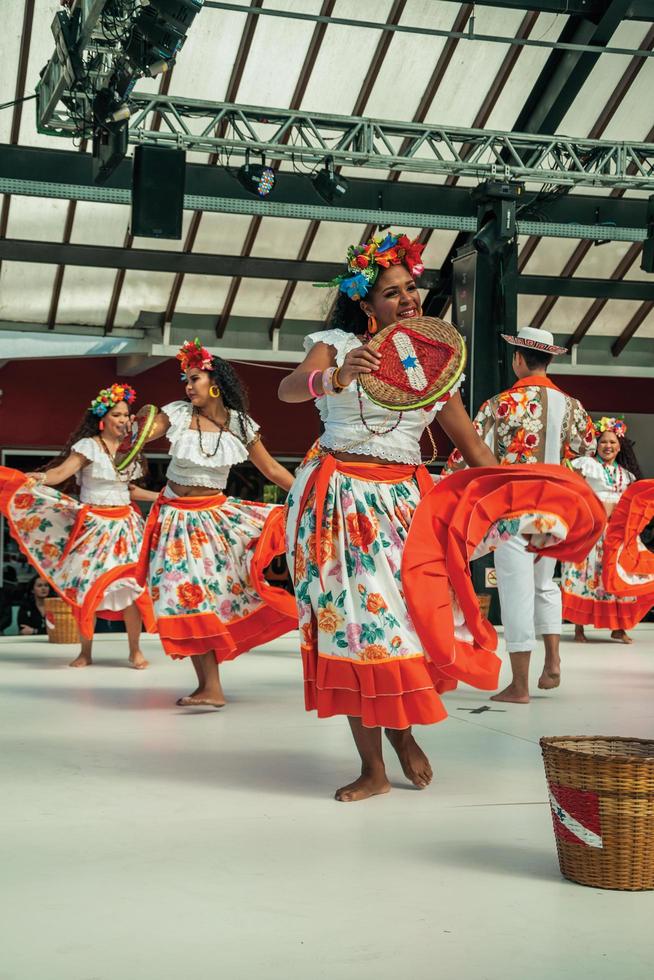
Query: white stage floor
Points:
[140, 840]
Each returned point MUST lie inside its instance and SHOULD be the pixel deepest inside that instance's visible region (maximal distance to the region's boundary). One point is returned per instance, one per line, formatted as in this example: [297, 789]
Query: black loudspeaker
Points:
[647, 260]
[158, 192]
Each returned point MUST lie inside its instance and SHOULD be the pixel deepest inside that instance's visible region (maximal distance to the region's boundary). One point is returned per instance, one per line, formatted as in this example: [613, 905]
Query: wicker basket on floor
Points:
[602, 799]
[60, 622]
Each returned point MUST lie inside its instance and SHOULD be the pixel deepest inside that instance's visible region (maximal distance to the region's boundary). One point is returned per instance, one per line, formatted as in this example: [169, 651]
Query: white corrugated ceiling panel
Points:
[86, 291]
[566, 314]
[25, 290]
[600, 84]
[37, 218]
[343, 62]
[614, 317]
[12, 28]
[525, 72]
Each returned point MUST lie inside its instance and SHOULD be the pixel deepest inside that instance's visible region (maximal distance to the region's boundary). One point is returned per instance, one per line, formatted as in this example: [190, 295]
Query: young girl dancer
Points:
[585, 601]
[204, 553]
[87, 548]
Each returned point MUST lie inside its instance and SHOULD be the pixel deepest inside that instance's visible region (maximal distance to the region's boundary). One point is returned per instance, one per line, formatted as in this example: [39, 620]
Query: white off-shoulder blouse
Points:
[188, 465]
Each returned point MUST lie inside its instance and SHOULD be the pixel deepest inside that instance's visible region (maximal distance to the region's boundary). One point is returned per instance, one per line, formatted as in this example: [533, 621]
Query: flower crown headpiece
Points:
[193, 355]
[364, 263]
[606, 424]
[108, 398]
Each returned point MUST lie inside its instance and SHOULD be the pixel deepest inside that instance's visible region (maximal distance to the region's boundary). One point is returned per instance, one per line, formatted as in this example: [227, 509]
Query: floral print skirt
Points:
[587, 603]
[203, 559]
[87, 553]
[361, 653]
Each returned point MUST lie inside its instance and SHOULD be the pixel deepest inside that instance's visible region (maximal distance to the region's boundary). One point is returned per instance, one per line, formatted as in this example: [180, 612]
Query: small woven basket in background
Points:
[602, 799]
[60, 622]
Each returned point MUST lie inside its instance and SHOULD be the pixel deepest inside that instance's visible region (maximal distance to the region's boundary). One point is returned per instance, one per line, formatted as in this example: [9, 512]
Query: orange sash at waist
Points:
[320, 478]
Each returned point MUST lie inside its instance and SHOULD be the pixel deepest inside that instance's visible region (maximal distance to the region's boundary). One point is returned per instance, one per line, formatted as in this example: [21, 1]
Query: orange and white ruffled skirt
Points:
[203, 560]
[628, 568]
[88, 554]
[380, 560]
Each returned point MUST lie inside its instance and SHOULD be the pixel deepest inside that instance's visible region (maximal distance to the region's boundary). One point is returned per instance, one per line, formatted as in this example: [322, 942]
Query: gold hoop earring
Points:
[372, 326]
[214, 391]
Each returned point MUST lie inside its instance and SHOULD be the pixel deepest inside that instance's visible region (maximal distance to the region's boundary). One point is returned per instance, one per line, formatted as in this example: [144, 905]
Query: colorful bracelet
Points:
[328, 381]
[336, 381]
[312, 390]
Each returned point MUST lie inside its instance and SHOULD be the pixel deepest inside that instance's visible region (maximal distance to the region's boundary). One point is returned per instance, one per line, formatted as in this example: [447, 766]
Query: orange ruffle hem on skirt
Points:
[447, 531]
[629, 566]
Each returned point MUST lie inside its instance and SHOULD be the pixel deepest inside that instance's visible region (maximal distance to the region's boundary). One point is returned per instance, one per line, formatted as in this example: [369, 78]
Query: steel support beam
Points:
[68, 174]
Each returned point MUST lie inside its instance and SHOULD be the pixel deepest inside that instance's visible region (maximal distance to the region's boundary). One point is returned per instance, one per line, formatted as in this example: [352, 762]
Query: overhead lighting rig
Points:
[102, 49]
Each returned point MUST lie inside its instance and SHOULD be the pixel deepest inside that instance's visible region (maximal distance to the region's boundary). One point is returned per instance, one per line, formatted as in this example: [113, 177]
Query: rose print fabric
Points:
[203, 560]
[346, 529]
[88, 554]
[532, 422]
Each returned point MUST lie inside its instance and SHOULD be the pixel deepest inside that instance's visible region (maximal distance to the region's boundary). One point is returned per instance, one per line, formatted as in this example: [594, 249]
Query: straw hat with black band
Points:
[533, 338]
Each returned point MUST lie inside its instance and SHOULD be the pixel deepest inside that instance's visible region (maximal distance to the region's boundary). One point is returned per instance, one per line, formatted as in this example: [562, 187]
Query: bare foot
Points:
[414, 762]
[213, 699]
[580, 636]
[138, 661]
[621, 636]
[81, 661]
[368, 784]
[549, 679]
[513, 695]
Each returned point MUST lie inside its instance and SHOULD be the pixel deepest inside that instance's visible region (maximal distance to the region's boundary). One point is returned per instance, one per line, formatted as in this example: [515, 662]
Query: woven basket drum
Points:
[602, 800]
[64, 626]
[422, 359]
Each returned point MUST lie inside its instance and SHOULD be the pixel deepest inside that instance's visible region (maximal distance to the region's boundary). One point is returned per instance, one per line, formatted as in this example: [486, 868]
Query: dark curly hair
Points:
[627, 458]
[346, 314]
[88, 428]
[233, 391]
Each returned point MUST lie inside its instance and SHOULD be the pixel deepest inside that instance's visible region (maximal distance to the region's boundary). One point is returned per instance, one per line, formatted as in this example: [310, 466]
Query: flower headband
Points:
[108, 398]
[606, 424]
[365, 261]
[193, 355]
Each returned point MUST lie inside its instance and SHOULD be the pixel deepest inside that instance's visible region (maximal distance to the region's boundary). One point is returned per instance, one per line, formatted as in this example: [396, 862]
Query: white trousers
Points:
[529, 598]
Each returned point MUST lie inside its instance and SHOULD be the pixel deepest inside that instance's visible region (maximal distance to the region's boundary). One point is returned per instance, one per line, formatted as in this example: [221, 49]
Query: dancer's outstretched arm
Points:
[59, 474]
[270, 468]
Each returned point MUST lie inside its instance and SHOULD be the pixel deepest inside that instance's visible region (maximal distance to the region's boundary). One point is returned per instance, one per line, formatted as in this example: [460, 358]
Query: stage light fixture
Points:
[179, 13]
[256, 178]
[329, 185]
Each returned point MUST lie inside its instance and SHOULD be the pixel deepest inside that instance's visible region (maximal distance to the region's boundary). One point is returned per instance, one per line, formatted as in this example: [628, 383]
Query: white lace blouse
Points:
[189, 466]
[608, 482]
[341, 414]
[98, 481]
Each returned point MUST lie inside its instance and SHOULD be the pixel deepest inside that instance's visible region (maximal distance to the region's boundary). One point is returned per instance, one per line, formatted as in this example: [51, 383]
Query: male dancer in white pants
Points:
[532, 422]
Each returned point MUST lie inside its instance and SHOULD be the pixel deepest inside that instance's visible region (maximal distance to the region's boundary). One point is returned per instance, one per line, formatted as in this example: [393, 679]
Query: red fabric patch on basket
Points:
[576, 815]
[401, 367]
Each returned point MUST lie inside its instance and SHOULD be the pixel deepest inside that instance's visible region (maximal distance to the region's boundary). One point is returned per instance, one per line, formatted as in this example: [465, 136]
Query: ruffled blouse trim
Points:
[186, 450]
[339, 339]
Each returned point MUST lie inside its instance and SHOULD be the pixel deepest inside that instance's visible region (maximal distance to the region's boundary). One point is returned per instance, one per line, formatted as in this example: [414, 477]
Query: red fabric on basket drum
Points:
[622, 553]
[448, 526]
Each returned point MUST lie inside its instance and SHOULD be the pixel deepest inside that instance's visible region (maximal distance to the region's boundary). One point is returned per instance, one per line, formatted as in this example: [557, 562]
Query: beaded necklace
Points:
[221, 429]
[613, 475]
[123, 475]
[369, 428]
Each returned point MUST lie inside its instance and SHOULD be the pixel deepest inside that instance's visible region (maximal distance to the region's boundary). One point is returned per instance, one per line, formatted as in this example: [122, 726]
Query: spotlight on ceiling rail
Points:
[328, 184]
[256, 178]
